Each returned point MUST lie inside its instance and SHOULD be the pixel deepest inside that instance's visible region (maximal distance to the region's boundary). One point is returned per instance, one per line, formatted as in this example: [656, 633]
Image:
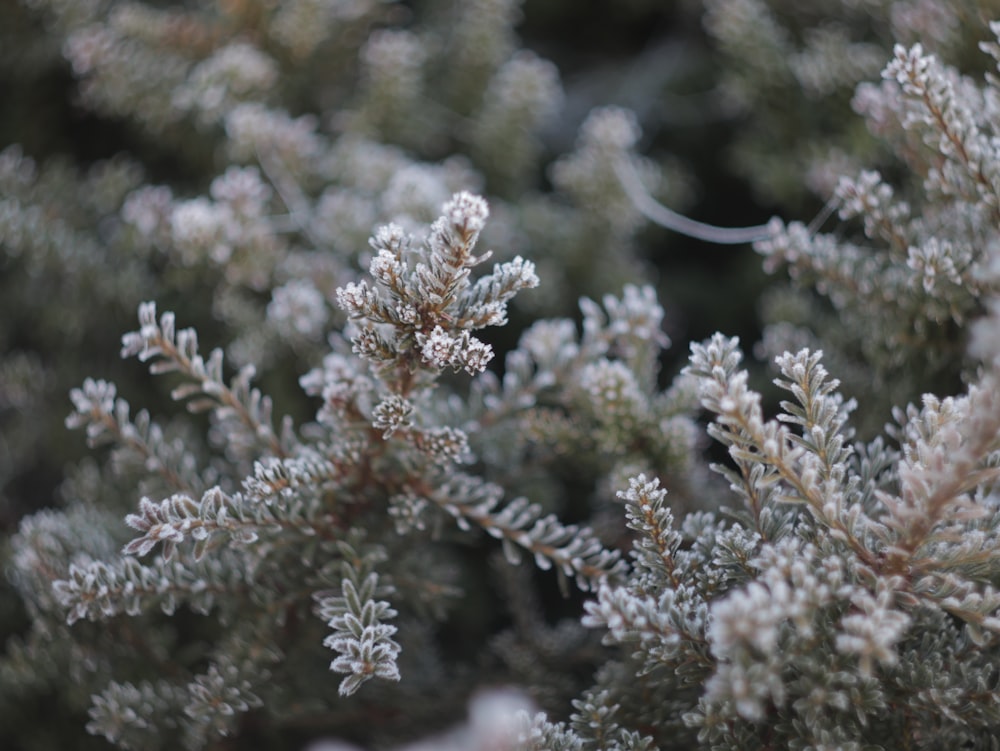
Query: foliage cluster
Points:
[407, 471]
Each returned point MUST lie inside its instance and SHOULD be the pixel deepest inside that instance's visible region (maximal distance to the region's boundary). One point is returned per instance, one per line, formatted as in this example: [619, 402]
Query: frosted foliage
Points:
[414, 194]
[201, 229]
[522, 97]
[529, 83]
[148, 209]
[211, 532]
[122, 78]
[751, 621]
[252, 129]
[873, 632]
[493, 720]
[832, 61]
[422, 473]
[301, 26]
[927, 258]
[235, 72]
[985, 340]
[411, 303]
[392, 79]
[298, 309]
[588, 174]
[611, 386]
[392, 51]
[342, 219]
[241, 189]
[484, 37]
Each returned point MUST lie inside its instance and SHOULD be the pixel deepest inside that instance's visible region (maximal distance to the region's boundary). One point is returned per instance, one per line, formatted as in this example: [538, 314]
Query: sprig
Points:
[236, 404]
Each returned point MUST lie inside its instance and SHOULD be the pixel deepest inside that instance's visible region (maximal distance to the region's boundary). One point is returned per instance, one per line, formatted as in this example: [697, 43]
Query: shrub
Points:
[377, 505]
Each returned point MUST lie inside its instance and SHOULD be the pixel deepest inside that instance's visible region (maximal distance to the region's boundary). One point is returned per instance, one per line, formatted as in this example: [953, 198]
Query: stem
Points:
[661, 215]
